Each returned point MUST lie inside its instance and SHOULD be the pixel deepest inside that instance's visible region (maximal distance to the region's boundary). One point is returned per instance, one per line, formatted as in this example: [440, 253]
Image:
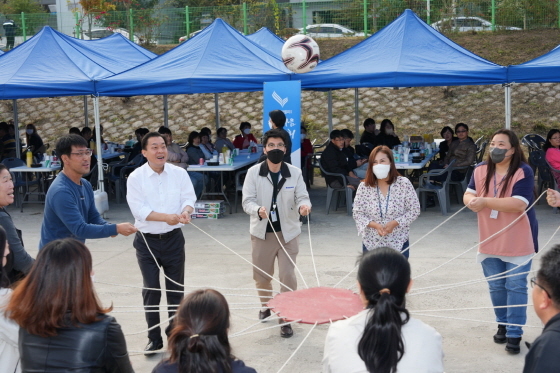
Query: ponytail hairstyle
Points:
[384, 277]
[199, 342]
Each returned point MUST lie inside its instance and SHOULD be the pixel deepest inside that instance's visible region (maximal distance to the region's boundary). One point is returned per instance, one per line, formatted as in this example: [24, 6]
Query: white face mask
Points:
[247, 131]
[389, 131]
[92, 278]
[381, 171]
[29, 132]
[302, 136]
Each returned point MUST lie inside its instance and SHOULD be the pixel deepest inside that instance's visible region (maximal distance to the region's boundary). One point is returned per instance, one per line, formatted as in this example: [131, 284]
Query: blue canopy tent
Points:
[53, 64]
[405, 53]
[543, 69]
[268, 40]
[219, 59]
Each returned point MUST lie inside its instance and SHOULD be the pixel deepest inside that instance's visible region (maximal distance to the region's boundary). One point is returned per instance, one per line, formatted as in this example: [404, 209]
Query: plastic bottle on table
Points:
[29, 157]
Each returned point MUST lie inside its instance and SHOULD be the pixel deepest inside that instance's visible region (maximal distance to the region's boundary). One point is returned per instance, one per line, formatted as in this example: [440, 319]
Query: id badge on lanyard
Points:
[273, 216]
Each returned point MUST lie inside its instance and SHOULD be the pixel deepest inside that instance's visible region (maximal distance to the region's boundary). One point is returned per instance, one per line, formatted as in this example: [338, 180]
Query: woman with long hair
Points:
[387, 135]
[22, 261]
[383, 338]
[552, 151]
[64, 328]
[9, 330]
[199, 341]
[448, 137]
[34, 141]
[499, 192]
[385, 204]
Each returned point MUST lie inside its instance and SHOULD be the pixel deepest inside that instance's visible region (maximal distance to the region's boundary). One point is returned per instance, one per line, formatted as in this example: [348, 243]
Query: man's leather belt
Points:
[163, 236]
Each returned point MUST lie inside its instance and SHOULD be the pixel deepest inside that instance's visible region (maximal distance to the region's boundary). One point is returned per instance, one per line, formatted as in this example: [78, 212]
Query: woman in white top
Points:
[9, 330]
[383, 338]
[385, 204]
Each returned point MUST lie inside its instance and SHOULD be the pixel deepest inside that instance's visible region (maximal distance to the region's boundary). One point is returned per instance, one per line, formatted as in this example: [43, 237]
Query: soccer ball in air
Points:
[300, 54]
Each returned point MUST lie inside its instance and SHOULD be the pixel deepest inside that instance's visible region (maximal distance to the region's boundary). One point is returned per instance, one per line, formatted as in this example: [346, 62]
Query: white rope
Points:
[270, 318]
[471, 283]
[260, 330]
[311, 249]
[272, 277]
[285, 251]
[297, 349]
[408, 248]
[472, 308]
[175, 291]
[483, 241]
[496, 276]
[437, 226]
[153, 327]
[472, 320]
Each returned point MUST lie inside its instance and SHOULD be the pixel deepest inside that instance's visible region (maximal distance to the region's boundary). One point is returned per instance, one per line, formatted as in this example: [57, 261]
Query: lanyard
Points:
[386, 201]
[276, 190]
[497, 186]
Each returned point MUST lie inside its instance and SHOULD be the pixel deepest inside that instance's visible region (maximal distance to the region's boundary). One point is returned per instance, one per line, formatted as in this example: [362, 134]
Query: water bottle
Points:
[29, 157]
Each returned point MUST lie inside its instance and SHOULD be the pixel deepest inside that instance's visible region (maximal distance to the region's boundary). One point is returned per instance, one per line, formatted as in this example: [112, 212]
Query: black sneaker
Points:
[286, 331]
[263, 315]
[512, 345]
[500, 336]
[152, 347]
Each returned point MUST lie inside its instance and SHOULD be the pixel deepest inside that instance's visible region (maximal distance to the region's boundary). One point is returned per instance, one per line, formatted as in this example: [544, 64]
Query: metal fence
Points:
[167, 25]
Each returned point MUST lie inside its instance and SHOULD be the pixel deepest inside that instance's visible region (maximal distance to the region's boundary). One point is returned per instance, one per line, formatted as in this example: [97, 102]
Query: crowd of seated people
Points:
[371, 137]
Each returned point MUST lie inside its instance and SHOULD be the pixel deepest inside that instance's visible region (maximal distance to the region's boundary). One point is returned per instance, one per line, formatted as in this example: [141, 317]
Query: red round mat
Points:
[316, 305]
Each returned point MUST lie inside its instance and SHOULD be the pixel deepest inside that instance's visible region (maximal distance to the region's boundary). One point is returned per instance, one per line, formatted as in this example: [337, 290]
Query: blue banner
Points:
[285, 96]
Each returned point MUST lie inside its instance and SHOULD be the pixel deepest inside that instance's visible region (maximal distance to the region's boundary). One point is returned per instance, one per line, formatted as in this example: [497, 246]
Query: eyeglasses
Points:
[86, 153]
[534, 282]
[275, 146]
[461, 131]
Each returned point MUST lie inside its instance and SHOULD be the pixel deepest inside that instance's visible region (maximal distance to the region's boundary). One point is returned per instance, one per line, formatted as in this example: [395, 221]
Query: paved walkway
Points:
[467, 344]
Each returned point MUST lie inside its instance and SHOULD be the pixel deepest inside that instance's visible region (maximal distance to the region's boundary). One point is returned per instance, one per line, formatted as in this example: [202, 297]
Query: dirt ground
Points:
[461, 314]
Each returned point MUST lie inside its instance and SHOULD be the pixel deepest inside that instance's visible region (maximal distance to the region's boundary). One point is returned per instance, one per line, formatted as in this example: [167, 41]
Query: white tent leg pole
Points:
[217, 110]
[330, 111]
[507, 87]
[165, 112]
[86, 117]
[16, 129]
[99, 146]
[356, 111]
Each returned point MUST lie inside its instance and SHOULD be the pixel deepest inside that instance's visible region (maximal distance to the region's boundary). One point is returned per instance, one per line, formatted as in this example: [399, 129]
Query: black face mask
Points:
[275, 156]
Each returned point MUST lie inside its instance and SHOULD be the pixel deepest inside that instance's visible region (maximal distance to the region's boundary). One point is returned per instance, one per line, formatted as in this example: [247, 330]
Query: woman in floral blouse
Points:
[385, 204]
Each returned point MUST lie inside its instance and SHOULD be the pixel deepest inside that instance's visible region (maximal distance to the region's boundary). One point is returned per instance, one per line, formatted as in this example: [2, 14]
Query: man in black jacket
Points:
[335, 160]
[278, 120]
[543, 355]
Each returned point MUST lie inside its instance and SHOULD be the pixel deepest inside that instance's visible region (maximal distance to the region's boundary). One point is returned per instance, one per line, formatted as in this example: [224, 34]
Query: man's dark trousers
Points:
[170, 255]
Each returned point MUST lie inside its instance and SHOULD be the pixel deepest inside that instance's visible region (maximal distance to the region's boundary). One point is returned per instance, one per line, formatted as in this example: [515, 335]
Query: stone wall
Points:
[412, 110]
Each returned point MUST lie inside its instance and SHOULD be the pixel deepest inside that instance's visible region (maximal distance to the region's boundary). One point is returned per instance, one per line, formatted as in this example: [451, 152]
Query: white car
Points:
[329, 30]
[186, 37]
[462, 24]
[98, 33]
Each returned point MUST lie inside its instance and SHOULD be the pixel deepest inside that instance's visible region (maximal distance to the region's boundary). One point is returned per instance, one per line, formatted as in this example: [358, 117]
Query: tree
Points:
[18, 6]
[92, 9]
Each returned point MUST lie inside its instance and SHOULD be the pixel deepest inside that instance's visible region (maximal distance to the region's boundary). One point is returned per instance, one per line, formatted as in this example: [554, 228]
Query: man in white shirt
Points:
[161, 198]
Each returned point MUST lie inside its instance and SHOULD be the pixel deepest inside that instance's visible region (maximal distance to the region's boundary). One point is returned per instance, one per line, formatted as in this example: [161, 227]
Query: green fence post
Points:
[131, 34]
[244, 18]
[304, 15]
[428, 20]
[188, 21]
[77, 30]
[493, 15]
[23, 26]
[365, 19]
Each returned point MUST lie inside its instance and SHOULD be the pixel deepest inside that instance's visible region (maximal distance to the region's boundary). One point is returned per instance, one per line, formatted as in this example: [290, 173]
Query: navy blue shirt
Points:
[70, 212]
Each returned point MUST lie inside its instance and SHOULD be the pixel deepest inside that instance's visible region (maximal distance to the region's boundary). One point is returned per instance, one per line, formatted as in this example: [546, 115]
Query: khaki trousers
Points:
[264, 254]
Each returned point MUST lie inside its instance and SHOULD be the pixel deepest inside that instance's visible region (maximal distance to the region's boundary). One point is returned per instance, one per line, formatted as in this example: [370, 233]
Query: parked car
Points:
[329, 30]
[98, 33]
[462, 24]
[187, 37]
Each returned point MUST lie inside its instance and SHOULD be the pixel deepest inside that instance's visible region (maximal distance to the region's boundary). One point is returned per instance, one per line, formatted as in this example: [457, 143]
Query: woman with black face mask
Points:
[499, 192]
